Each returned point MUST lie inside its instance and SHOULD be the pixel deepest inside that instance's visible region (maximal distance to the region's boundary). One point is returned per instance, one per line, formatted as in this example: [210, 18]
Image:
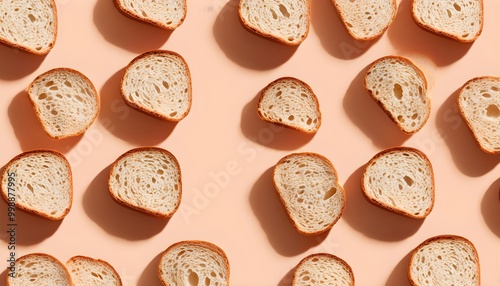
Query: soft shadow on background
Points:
[126, 32]
[371, 220]
[114, 218]
[287, 278]
[149, 275]
[283, 237]
[17, 64]
[490, 207]
[399, 276]
[127, 123]
[466, 154]
[244, 47]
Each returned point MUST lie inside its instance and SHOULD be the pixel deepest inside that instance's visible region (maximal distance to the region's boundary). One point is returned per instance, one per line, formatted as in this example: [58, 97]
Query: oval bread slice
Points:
[401, 180]
[39, 182]
[479, 104]
[159, 84]
[39, 269]
[307, 186]
[292, 103]
[86, 271]
[444, 260]
[165, 14]
[323, 269]
[194, 262]
[65, 102]
[147, 179]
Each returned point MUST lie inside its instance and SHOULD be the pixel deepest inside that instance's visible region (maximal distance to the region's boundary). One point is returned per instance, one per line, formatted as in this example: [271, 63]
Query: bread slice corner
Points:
[167, 15]
[323, 269]
[39, 269]
[85, 270]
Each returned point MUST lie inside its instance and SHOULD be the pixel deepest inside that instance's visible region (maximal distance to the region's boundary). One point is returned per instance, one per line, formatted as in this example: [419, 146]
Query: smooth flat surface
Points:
[226, 152]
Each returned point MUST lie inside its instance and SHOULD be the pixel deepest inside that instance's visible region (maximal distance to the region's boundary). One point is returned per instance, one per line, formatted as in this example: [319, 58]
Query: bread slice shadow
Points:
[287, 278]
[117, 219]
[16, 63]
[149, 275]
[399, 276]
[490, 207]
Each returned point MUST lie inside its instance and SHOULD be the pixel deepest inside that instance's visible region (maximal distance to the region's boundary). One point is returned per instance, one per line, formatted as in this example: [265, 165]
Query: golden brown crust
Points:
[327, 256]
[133, 16]
[93, 260]
[47, 256]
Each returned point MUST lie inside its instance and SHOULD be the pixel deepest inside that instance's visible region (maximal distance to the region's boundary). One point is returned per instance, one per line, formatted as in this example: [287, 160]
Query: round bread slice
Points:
[39, 182]
[460, 20]
[292, 103]
[366, 19]
[285, 22]
[479, 104]
[86, 271]
[444, 260]
[147, 179]
[401, 180]
[164, 14]
[29, 25]
[39, 269]
[308, 188]
[194, 262]
[399, 87]
[159, 84]
[65, 102]
[323, 269]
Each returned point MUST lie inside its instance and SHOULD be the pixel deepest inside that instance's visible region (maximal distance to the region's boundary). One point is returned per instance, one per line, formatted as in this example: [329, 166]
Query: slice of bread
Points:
[164, 14]
[86, 271]
[444, 260]
[65, 102]
[40, 181]
[147, 179]
[479, 104]
[29, 25]
[159, 84]
[461, 20]
[399, 87]
[307, 186]
[292, 103]
[194, 262]
[365, 19]
[400, 179]
[323, 269]
[39, 269]
[285, 22]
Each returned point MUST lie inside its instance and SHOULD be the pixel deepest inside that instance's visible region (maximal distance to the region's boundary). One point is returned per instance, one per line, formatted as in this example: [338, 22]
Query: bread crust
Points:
[48, 256]
[324, 255]
[138, 18]
[98, 261]
[32, 211]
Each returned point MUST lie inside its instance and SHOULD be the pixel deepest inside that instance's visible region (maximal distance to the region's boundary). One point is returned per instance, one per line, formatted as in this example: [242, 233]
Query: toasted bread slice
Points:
[194, 262]
[323, 269]
[399, 87]
[308, 187]
[365, 19]
[159, 84]
[40, 182]
[39, 269]
[444, 260]
[285, 22]
[65, 102]
[400, 179]
[479, 104]
[86, 271]
[292, 103]
[460, 20]
[164, 14]
[29, 25]
[147, 179]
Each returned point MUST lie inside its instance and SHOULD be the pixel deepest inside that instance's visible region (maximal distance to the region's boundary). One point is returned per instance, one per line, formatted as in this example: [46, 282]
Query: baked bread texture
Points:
[65, 102]
[159, 84]
[29, 25]
[323, 269]
[41, 182]
[39, 269]
[308, 188]
[194, 262]
[444, 260]
[290, 102]
[400, 88]
[164, 14]
[365, 19]
[86, 271]
[479, 104]
[285, 22]
[147, 179]
[460, 20]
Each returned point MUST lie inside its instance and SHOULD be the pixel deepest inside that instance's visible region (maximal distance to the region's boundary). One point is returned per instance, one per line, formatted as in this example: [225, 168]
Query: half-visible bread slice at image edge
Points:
[285, 22]
[87, 271]
[147, 179]
[444, 260]
[39, 182]
[323, 269]
[167, 15]
[308, 188]
[39, 269]
[290, 102]
[479, 104]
